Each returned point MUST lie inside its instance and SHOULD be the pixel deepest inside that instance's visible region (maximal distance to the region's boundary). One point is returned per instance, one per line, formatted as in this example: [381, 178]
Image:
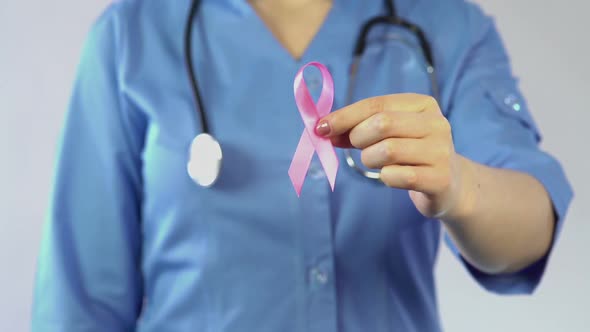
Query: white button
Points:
[512, 101]
[319, 276]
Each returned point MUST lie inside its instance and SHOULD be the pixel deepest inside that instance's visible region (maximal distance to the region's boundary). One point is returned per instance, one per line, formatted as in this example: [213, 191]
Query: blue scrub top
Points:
[131, 243]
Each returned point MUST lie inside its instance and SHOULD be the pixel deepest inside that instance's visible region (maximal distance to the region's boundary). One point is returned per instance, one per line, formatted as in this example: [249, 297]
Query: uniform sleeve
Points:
[492, 126]
[88, 275]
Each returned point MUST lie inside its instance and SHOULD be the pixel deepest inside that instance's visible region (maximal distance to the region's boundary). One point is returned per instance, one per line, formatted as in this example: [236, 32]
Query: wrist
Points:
[465, 194]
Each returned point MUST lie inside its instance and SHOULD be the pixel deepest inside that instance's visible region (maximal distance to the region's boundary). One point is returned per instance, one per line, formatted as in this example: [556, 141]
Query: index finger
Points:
[348, 117]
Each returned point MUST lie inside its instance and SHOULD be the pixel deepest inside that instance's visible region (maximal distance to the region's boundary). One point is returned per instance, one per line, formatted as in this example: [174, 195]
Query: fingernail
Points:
[323, 128]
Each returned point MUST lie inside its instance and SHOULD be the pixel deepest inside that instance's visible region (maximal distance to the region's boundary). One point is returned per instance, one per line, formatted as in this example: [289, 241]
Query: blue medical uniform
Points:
[132, 244]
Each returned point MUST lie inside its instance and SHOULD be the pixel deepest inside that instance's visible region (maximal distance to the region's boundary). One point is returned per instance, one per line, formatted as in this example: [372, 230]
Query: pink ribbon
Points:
[310, 141]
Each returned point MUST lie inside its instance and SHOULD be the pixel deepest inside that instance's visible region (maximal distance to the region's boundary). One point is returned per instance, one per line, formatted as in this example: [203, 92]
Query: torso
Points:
[232, 252]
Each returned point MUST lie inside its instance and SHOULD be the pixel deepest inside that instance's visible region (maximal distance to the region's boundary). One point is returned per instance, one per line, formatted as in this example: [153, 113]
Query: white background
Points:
[550, 46]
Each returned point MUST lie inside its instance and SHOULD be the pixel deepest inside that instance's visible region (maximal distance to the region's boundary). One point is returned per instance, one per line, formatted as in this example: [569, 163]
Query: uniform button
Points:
[512, 101]
[516, 107]
[319, 276]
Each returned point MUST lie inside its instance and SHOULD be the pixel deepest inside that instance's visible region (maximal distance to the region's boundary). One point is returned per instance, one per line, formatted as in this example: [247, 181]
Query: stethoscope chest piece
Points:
[205, 158]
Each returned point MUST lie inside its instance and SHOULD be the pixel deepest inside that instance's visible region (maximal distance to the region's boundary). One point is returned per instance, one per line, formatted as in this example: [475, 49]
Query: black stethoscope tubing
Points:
[205, 140]
[194, 83]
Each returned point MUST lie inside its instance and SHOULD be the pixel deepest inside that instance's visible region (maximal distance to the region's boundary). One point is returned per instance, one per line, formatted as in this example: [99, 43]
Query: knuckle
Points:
[390, 151]
[377, 104]
[354, 139]
[443, 125]
[366, 159]
[440, 124]
[430, 104]
[411, 179]
[382, 123]
[430, 100]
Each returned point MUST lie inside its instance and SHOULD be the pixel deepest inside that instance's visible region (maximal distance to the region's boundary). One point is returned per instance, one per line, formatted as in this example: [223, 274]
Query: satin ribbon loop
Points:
[310, 142]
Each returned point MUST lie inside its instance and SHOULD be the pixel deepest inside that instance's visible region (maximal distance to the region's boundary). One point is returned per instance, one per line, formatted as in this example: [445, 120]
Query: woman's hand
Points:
[409, 139]
[407, 136]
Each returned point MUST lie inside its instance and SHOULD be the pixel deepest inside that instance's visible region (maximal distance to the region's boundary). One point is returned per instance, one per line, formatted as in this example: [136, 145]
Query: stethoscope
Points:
[206, 155]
